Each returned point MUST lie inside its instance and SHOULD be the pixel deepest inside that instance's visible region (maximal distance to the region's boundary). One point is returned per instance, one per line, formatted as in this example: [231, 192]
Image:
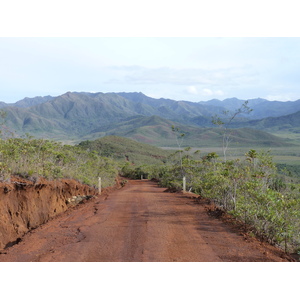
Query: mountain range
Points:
[77, 116]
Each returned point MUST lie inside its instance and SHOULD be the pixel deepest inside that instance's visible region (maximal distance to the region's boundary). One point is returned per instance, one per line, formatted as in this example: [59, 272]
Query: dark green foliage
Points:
[135, 172]
[289, 170]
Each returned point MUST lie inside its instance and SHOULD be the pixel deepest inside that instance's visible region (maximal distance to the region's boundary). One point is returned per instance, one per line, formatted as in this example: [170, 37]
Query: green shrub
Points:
[33, 158]
[250, 189]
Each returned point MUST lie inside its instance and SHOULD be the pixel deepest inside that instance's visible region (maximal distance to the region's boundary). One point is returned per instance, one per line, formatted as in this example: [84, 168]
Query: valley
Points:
[87, 136]
[75, 117]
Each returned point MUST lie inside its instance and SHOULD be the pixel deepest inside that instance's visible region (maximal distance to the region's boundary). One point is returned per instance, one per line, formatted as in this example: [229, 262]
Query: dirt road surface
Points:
[139, 223]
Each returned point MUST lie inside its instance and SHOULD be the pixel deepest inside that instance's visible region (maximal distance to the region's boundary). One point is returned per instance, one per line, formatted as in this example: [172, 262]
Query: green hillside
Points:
[124, 149]
[286, 127]
[74, 117]
[158, 131]
[287, 122]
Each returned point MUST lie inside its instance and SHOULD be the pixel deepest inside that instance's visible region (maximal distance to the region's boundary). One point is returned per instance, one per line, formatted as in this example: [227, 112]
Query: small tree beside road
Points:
[225, 123]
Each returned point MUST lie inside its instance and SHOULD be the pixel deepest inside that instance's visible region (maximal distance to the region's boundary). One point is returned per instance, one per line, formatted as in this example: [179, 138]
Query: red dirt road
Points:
[139, 223]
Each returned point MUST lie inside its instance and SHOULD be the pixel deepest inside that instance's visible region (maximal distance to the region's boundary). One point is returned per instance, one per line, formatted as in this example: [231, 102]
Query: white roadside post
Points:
[99, 185]
[184, 184]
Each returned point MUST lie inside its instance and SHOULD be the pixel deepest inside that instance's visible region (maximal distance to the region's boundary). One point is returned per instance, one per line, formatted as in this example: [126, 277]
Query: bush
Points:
[250, 189]
[33, 158]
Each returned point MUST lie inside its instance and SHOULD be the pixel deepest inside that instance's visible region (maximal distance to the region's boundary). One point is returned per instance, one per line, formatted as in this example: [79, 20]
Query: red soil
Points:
[140, 222]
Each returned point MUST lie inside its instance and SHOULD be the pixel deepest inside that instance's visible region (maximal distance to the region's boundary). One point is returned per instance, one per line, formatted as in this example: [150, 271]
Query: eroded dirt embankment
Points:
[24, 205]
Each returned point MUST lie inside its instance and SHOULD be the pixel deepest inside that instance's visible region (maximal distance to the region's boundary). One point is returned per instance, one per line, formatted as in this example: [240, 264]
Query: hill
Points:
[288, 122]
[73, 117]
[158, 131]
[28, 102]
[124, 149]
[262, 108]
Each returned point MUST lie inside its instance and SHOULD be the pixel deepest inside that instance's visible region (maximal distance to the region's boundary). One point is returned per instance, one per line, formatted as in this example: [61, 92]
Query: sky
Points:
[179, 68]
[193, 53]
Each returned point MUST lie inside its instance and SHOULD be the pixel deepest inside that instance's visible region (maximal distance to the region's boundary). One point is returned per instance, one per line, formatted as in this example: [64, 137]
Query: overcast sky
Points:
[179, 68]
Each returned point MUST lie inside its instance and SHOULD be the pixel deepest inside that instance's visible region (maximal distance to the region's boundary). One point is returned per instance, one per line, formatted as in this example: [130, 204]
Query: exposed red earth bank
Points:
[24, 205]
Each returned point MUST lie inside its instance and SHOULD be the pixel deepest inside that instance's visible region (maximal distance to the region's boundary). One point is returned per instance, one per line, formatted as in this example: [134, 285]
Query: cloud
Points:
[142, 75]
[192, 90]
[193, 83]
[215, 79]
[209, 92]
[280, 97]
[219, 93]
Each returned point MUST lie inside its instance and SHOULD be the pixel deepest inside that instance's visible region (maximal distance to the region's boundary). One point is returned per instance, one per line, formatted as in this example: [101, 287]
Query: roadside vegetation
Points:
[86, 162]
[250, 189]
[34, 158]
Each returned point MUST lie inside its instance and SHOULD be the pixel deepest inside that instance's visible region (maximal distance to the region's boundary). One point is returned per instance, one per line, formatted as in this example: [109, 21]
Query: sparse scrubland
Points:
[250, 188]
[258, 187]
[34, 158]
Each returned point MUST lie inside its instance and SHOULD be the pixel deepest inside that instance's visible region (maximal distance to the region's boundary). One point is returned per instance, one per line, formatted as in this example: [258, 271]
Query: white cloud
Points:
[192, 90]
[142, 75]
[282, 97]
[219, 93]
[185, 76]
[209, 92]
[185, 68]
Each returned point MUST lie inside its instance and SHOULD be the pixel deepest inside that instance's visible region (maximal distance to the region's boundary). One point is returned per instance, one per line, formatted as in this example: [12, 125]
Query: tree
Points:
[226, 122]
[251, 155]
[179, 139]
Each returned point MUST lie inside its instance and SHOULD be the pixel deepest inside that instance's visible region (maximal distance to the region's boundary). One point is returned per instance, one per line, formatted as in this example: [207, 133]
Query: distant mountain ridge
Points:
[28, 102]
[283, 123]
[76, 116]
[262, 108]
